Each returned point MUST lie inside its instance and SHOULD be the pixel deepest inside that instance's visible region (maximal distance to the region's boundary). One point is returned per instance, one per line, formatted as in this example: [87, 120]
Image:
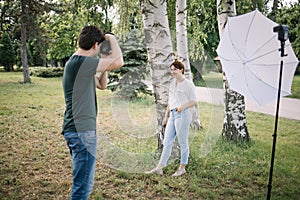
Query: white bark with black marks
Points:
[235, 122]
[160, 55]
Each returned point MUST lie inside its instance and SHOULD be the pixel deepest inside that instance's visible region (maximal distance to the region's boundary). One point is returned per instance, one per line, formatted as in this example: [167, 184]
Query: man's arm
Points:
[101, 81]
[113, 60]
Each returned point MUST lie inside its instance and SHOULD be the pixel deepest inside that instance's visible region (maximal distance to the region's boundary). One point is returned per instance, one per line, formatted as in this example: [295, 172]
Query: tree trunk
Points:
[274, 10]
[235, 123]
[23, 44]
[160, 55]
[275, 6]
[198, 64]
[181, 37]
[183, 52]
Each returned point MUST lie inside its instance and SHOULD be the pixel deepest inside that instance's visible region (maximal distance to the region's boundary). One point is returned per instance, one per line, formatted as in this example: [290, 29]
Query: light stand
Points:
[282, 37]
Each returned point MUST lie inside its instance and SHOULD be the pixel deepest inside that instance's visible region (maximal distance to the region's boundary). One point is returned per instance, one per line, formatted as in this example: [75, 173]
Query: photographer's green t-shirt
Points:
[80, 94]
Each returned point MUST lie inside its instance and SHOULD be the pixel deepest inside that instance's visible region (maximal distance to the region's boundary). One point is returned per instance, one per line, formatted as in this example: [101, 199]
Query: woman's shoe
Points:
[155, 171]
[179, 172]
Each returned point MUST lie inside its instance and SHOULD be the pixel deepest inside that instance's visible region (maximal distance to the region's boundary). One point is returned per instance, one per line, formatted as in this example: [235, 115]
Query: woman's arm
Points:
[192, 98]
[165, 119]
[187, 105]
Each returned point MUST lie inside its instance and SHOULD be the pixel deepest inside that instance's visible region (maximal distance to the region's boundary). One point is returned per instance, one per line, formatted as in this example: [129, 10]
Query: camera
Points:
[105, 47]
[283, 32]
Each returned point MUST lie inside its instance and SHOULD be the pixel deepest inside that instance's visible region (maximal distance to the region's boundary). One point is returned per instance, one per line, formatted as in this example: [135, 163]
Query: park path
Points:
[289, 108]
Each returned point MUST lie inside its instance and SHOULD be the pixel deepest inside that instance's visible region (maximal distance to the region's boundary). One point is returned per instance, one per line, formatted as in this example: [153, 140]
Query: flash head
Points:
[283, 32]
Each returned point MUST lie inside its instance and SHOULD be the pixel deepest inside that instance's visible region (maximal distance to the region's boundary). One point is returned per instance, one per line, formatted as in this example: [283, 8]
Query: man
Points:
[79, 125]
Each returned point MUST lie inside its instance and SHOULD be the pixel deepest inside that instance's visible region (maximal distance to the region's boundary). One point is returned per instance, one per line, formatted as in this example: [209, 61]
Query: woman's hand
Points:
[164, 121]
[179, 109]
[185, 106]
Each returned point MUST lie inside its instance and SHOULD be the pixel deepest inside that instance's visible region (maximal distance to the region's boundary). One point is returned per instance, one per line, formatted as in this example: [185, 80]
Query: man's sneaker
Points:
[179, 172]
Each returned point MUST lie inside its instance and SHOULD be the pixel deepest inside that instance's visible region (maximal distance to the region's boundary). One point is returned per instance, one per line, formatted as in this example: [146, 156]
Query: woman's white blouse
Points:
[181, 93]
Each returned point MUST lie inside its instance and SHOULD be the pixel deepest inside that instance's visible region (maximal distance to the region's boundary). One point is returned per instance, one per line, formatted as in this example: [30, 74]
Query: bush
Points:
[7, 54]
[297, 70]
[47, 72]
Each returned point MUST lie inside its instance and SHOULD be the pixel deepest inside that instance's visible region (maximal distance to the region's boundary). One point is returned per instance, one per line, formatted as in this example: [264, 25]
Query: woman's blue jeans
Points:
[83, 148]
[178, 125]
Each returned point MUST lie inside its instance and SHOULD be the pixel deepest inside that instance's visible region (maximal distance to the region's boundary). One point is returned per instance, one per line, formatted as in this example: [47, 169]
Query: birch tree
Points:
[183, 51]
[160, 55]
[235, 123]
[181, 37]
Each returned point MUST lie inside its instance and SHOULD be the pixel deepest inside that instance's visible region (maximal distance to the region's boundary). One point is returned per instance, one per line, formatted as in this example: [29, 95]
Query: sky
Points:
[285, 2]
[294, 1]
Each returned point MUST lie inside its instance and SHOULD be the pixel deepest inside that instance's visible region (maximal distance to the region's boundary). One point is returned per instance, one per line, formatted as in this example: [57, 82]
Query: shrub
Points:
[298, 70]
[7, 54]
[47, 72]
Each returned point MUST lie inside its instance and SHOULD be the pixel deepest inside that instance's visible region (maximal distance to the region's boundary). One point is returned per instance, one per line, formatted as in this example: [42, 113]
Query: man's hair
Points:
[178, 65]
[90, 35]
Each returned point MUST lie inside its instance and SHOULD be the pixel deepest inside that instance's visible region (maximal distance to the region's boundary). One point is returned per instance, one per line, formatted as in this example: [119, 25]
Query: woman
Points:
[177, 118]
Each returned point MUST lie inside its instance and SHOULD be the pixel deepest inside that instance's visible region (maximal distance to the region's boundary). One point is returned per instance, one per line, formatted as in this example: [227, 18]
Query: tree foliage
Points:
[7, 53]
[127, 81]
[63, 34]
[250, 5]
[53, 25]
[202, 28]
[130, 16]
[289, 15]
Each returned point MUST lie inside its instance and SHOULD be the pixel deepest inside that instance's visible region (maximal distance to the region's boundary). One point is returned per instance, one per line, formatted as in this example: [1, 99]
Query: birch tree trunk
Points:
[235, 123]
[24, 60]
[181, 37]
[160, 55]
[183, 52]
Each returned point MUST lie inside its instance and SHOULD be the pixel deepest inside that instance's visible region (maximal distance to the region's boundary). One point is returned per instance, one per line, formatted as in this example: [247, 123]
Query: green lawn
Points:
[296, 87]
[212, 79]
[35, 162]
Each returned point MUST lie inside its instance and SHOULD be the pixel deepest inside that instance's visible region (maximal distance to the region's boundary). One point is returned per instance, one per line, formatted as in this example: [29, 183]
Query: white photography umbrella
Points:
[255, 63]
[250, 57]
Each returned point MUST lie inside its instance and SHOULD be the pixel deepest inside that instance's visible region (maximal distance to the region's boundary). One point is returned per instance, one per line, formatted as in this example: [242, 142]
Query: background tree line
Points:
[52, 26]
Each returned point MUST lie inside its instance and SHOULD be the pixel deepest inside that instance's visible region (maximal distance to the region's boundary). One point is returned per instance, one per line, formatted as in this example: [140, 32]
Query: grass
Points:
[212, 79]
[35, 162]
[296, 87]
